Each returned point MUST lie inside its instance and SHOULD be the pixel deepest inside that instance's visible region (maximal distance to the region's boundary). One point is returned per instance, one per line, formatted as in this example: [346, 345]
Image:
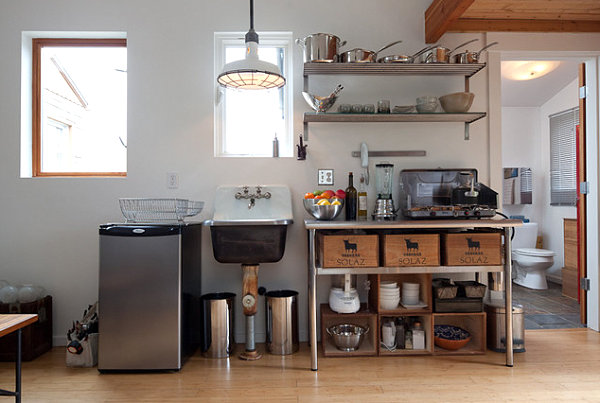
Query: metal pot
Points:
[470, 57]
[402, 58]
[320, 47]
[440, 54]
[358, 55]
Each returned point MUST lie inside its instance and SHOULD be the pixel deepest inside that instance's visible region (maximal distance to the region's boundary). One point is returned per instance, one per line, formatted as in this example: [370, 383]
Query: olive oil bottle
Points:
[362, 199]
[351, 199]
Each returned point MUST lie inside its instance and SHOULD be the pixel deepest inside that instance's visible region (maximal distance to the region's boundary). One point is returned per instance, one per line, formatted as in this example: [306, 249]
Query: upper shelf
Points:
[392, 69]
[468, 117]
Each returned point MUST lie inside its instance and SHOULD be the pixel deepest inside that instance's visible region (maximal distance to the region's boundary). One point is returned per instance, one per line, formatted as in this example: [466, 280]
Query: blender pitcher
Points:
[384, 206]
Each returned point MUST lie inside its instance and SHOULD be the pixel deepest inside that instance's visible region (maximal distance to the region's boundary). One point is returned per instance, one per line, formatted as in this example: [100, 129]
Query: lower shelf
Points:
[474, 323]
[369, 344]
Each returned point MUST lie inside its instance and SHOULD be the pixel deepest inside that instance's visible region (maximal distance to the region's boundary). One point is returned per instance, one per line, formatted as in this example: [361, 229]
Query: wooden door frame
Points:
[581, 202]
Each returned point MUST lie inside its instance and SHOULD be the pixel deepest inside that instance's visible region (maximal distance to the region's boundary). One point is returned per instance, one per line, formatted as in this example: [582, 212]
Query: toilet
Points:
[530, 264]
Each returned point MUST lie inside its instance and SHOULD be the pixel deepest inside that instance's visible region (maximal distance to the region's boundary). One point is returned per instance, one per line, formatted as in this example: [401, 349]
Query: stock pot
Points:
[321, 47]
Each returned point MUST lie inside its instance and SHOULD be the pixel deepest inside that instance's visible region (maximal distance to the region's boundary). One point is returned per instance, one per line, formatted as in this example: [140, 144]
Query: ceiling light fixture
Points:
[251, 73]
[527, 70]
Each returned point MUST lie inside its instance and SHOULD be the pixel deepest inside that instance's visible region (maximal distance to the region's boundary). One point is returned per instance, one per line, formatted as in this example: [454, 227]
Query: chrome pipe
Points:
[250, 345]
[508, 297]
[312, 298]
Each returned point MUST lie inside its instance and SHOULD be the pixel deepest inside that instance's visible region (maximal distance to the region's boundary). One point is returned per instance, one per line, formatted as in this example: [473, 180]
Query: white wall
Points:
[552, 222]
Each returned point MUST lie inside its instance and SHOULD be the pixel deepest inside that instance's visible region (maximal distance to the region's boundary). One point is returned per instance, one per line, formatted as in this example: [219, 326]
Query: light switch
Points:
[172, 180]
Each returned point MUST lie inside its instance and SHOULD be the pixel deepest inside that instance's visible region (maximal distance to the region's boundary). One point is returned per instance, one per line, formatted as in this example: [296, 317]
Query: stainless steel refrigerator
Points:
[149, 295]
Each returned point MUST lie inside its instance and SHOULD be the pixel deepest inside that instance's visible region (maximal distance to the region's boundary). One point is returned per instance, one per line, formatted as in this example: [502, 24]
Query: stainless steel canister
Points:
[217, 317]
[320, 47]
[282, 321]
[496, 328]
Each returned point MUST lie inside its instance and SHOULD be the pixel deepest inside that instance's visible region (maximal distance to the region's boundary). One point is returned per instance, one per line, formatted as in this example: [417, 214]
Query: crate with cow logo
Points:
[411, 250]
[472, 249]
[349, 251]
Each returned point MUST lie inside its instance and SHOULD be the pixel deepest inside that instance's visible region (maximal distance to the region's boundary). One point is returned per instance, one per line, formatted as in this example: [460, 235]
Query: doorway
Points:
[532, 91]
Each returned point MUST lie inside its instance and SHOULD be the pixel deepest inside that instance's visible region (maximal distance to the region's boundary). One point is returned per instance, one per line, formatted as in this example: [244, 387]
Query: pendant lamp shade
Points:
[251, 73]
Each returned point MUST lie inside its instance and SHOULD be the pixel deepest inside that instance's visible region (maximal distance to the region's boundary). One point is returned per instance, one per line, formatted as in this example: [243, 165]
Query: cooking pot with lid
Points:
[321, 48]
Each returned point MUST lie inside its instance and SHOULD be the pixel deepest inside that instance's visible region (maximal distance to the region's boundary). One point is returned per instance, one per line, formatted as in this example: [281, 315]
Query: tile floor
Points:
[547, 309]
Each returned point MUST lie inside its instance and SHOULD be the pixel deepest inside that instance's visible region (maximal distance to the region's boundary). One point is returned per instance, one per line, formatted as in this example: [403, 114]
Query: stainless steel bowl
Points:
[347, 336]
[323, 212]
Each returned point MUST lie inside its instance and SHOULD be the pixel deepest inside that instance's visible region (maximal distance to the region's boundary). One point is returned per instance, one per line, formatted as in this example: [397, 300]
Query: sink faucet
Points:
[258, 194]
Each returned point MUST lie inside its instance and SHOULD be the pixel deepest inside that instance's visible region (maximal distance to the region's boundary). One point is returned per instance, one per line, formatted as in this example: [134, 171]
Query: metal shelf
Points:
[393, 69]
[469, 117]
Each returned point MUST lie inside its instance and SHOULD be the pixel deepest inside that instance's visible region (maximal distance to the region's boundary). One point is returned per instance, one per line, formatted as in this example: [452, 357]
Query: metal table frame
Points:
[10, 323]
[314, 270]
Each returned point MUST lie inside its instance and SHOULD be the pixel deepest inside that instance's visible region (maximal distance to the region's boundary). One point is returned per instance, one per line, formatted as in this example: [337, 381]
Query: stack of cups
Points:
[410, 293]
[389, 295]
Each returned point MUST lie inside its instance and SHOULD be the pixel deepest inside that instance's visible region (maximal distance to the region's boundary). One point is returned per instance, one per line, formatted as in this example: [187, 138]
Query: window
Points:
[79, 107]
[563, 158]
[246, 122]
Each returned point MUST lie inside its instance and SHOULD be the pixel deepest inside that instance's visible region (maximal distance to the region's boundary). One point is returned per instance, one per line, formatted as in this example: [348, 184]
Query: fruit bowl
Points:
[326, 212]
[450, 337]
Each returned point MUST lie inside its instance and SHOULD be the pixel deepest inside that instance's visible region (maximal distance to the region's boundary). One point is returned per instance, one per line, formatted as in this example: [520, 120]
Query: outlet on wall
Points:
[172, 180]
[325, 177]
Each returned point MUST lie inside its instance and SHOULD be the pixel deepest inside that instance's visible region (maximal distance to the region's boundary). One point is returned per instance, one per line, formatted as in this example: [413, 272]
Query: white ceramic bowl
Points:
[410, 300]
[389, 305]
[389, 284]
[458, 102]
[410, 286]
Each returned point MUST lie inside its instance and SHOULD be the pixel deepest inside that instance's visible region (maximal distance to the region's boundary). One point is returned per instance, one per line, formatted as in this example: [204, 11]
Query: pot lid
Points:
[533, 252]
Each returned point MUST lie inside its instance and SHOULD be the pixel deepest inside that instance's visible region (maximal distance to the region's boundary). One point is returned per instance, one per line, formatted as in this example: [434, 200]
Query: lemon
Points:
[336, 203]
[323, 202]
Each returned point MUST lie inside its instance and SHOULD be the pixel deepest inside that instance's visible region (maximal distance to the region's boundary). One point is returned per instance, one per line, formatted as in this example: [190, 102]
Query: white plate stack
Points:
[410, 293]
[389, 295]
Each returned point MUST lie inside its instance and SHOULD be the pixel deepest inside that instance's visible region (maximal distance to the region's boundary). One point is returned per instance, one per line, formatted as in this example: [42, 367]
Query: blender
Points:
[384, 205]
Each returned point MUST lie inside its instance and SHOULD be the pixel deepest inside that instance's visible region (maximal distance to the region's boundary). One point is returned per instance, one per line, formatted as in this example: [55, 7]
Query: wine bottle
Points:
[351, 199]
[362, 198]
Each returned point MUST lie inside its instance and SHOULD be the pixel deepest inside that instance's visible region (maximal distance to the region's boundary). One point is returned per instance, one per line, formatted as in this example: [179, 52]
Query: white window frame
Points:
[266, 39]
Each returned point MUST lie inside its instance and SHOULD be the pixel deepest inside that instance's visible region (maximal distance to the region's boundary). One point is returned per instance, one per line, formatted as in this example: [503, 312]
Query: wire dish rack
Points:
[144, 209]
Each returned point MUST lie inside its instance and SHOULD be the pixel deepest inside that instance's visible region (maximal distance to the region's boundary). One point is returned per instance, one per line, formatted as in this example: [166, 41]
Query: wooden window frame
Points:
[37, 45]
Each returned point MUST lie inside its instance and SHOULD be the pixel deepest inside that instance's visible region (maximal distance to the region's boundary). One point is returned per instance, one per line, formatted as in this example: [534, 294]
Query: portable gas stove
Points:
[445, 193]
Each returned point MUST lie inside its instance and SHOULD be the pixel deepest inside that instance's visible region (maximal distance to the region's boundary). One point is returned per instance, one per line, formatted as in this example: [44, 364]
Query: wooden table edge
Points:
[16, 323]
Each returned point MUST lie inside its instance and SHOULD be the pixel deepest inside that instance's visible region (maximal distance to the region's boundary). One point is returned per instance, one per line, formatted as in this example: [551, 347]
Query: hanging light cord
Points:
[251, 35]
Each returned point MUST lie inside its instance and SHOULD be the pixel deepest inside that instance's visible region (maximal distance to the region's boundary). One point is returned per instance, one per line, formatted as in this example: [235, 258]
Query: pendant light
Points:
[251, 73]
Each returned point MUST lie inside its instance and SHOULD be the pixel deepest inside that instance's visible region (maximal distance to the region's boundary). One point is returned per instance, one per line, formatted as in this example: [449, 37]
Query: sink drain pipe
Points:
[249, 303]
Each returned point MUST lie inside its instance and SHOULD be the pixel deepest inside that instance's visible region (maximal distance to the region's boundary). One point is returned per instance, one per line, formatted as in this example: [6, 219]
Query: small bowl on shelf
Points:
[450, 337]
[323, 212]
[347, 336]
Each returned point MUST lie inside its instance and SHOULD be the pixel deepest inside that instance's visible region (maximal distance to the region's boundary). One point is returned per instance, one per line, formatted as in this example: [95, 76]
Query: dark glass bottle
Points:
[351, 199]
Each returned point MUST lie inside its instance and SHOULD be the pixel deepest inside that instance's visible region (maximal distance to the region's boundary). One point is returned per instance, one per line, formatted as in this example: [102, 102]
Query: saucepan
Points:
[358, 55]
[470, 57]
[403, 58]
[440, 54]
[320, 47]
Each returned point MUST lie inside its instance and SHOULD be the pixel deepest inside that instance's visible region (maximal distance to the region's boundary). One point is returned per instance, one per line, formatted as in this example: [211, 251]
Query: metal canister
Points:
[282, 321]
[496, 328]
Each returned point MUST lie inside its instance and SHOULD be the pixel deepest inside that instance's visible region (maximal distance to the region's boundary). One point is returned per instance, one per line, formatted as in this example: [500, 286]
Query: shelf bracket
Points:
[467, 131]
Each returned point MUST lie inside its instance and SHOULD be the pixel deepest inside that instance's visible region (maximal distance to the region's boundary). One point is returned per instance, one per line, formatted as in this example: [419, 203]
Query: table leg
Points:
[508, 298]
[312, 299]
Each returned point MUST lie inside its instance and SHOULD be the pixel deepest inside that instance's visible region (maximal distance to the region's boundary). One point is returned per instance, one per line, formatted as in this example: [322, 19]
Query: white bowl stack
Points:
[410, 293]
[389, 295]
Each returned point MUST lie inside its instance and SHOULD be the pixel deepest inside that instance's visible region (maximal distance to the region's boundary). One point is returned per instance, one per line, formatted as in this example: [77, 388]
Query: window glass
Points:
[247, 121]
[81, 120]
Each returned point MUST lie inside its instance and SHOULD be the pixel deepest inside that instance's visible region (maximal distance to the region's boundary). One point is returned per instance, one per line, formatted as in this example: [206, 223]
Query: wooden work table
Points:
[14, 323]
[314, 227]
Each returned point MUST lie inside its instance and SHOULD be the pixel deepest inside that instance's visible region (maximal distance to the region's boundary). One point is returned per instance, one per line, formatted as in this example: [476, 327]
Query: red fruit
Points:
[328, 194]
[340, 193]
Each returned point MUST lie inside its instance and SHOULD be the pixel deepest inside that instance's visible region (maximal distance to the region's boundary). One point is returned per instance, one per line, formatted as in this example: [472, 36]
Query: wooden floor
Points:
[558, 365]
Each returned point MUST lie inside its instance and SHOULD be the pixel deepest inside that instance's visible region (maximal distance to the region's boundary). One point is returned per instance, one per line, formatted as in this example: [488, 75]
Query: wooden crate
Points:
[36, 338]
[349, 251]
[474, 323]
[370, 342]
[472, 249]
[409, 250]
[426, 322]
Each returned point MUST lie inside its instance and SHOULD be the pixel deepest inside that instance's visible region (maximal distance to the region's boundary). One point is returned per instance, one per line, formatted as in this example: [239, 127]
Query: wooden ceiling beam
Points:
[522, 25]
[440, 15]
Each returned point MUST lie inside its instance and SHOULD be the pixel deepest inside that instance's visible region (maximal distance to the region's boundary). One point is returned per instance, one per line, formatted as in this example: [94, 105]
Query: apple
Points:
[328, 194]
[340, 193]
